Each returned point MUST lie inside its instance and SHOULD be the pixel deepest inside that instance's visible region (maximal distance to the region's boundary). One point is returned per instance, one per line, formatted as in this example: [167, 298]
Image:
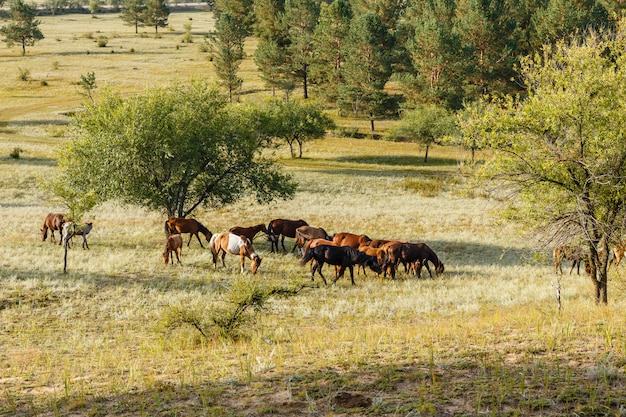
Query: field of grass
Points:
[115, 335]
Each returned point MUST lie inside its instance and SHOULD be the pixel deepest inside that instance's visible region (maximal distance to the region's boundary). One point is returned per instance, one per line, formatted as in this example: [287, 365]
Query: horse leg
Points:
[199, 241]
[214, 253]
[189, 241]
[352, 274]
[243, 261]
[223, 256]
[176, 252]
[85, 244]
[339, 274]
[318, 266]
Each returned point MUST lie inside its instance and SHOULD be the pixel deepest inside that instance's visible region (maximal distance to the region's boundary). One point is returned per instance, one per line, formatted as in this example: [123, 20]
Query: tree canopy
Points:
[23, 28]
[561, 153]
[172, 150]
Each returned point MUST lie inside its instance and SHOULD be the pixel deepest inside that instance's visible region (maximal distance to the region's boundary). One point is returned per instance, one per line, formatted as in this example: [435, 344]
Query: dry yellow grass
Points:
[483, 338]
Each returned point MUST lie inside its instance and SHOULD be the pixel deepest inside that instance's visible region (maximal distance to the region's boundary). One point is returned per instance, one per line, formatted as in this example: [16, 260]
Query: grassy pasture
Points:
[485, 338]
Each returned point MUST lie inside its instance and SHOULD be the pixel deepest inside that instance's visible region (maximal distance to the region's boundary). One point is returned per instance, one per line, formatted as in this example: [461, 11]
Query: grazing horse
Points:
[71, 229]
[379, 253]
[571, 253]
[52, 222]
[282, 228]
[350, 239]
[411, 254]
[618, 252]
[173, 246]
[236, 245]
[305, 234]
[191, 226]
[342, 256]
[249, 232]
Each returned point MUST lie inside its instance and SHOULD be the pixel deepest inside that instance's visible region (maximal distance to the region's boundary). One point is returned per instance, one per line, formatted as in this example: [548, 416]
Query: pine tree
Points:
[227, 51]
[156, 14]
[132, 12]
[23, 28]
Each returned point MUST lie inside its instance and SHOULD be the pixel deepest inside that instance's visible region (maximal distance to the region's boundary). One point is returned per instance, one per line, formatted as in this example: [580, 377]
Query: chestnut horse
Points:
[571, 253]
[282, 228]
[191, 226]
[350, 239]
[173, 246]
[52, 222]
[236, 245]
[249, 232]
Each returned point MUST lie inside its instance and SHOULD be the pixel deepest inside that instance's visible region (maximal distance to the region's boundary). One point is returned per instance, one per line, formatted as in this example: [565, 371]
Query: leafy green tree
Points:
[132, 13]
[427, 124]
[329, 38]
[271, 59]
[367, 67]
[561, 153]
[156, 14]
[226, 47]
[297, 122]
[88, 84]
[172, 149]
[241, 11]
[23, 28]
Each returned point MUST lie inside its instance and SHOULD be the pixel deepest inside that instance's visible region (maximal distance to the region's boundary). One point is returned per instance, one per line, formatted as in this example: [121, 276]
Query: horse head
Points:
[256, 262]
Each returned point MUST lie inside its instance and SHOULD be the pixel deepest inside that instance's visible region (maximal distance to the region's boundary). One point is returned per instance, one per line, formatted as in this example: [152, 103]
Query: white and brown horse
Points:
[236, 245]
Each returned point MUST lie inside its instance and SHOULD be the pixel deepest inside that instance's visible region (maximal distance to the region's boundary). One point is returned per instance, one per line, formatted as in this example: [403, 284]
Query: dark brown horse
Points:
[249, 232]
[411, 254]
[236, 245]
[341, 256]
[192, 226]
[282, 228]
[52, 222]
[350, 239]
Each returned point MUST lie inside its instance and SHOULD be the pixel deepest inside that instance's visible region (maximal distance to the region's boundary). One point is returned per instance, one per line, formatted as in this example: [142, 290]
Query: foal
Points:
[173, 246]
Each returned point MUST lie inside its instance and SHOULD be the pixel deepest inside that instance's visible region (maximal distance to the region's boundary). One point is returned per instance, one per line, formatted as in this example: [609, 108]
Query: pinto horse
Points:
[71, 229]
[173, 246]
[236, 245]
[249, 232]
[52, 222]
[192, 226]
[282, 228]
[342, 256]
[350, 239]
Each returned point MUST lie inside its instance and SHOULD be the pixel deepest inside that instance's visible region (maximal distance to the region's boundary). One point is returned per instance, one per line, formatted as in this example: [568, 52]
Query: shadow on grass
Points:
[397, 160]
[28, 161]
[465, 383]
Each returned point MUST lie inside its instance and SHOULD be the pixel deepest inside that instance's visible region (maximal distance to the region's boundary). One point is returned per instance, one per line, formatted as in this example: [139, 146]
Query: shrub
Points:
[15, 153]
[102, 41]
[24, 74]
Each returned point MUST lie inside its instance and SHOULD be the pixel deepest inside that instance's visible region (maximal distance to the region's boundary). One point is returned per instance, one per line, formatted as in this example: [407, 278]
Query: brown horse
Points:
[282, 228]
[191, 226]
[571, 253]
[52, 222]
[411, 255]
[249, 232]
[350, 239]
[305, 233]
[618, 252]
[173, 246]
[379, 253]
[236, 245]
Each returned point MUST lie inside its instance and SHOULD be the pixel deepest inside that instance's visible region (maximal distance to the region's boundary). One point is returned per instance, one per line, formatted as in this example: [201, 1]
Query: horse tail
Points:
[307, 256]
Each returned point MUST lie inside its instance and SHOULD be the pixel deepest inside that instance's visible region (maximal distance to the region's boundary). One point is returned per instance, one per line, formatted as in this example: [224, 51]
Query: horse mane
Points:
[202, 228]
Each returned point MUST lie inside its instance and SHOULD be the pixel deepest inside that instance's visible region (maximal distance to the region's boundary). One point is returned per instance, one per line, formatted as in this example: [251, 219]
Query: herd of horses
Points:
[342, 250]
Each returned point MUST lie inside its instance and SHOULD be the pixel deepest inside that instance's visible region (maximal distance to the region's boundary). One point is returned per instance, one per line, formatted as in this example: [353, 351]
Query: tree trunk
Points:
[371, 122]
[426, 154]
[305, 83]
[300, 148]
